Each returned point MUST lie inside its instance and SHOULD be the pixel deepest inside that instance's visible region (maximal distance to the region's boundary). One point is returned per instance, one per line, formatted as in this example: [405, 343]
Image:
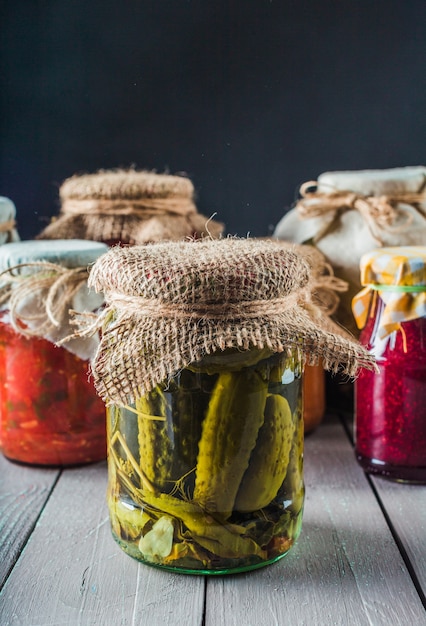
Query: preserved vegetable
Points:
[50, 413]
[198, 467]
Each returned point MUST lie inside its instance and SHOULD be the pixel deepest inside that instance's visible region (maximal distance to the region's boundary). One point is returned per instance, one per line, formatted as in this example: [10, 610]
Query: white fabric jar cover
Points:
[349, 213]
[35, 265]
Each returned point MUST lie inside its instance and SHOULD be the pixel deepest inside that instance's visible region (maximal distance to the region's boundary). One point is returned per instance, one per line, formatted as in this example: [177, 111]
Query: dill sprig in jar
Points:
[200, 363]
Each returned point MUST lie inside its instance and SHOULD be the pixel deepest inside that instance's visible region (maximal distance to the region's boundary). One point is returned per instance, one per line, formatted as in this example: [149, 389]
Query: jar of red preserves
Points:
[390, 405]
[50, 413]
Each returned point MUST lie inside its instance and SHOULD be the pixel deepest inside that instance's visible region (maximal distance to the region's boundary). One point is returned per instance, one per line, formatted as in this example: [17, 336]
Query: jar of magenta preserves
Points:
[50, 413]
[390, 405]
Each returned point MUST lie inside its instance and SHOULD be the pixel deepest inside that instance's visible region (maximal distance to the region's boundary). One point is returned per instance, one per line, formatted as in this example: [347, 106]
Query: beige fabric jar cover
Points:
[129, 206]
[346, 214]
[170, 304]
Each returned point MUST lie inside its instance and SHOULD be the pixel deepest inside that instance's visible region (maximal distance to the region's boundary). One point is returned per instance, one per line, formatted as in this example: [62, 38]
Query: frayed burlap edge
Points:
[133, 358]
[171, 304]
[130, 206]
[131, 229]
[325, 286]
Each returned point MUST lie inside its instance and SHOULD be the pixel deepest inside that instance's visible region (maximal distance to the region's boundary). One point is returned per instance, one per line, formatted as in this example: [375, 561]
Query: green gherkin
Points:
[230, 428]
[269, 459]
[155, 444]
[293, 487]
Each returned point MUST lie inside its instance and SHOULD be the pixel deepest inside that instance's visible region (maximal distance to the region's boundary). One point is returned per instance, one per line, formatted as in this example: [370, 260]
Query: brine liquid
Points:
[390, 406]
[159, 475]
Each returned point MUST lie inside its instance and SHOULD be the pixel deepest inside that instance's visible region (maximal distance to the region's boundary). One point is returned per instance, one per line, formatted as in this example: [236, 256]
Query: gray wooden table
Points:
[360, 559]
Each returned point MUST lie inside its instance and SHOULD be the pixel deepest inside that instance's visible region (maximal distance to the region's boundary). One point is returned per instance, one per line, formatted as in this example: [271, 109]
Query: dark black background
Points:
[249, 98]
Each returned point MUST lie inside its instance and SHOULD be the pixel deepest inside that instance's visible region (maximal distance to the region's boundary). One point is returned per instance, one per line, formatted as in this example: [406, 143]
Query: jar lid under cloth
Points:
[41, 281]
[69, 253]
[398, 275]
[391, 181]
[129, 206]
[170, 304]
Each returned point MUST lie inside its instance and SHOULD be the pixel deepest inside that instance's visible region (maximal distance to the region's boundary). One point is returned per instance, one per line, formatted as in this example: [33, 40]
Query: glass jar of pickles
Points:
[390, 405]
[205, 471]
[50, 413]
[200, 362]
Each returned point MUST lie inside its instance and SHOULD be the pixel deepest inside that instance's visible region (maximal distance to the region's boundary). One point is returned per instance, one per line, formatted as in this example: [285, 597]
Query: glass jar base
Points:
[398, 473]
[220, 571]
[55, 464]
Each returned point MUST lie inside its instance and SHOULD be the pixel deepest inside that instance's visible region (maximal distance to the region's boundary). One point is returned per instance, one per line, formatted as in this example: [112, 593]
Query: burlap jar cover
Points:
[129, 206]
[346, 214]
[170, 304]
[325, 286]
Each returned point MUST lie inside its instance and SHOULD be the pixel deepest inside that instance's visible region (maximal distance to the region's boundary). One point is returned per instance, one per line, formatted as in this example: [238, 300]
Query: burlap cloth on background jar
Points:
[130, 206]
[325, 286]
[170, 304]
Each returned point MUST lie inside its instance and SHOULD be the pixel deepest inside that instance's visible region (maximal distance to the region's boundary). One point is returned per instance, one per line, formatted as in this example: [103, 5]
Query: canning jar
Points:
[314, 396]
[390, 405]
[129, 207]
[205, 427]
[205, 471]
[50, 413]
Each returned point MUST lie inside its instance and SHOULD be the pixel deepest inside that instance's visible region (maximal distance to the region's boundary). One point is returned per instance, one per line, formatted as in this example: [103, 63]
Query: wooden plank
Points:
[72, 571]
[345, 568]
[405, 506]
[23, 493]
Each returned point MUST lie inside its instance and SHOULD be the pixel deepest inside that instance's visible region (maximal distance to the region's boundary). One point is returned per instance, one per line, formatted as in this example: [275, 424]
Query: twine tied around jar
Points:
[378, 212]
[142, 208]
[325, 286]
[170, 304]
[129, 206]
[38, 303]
[7, 227]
